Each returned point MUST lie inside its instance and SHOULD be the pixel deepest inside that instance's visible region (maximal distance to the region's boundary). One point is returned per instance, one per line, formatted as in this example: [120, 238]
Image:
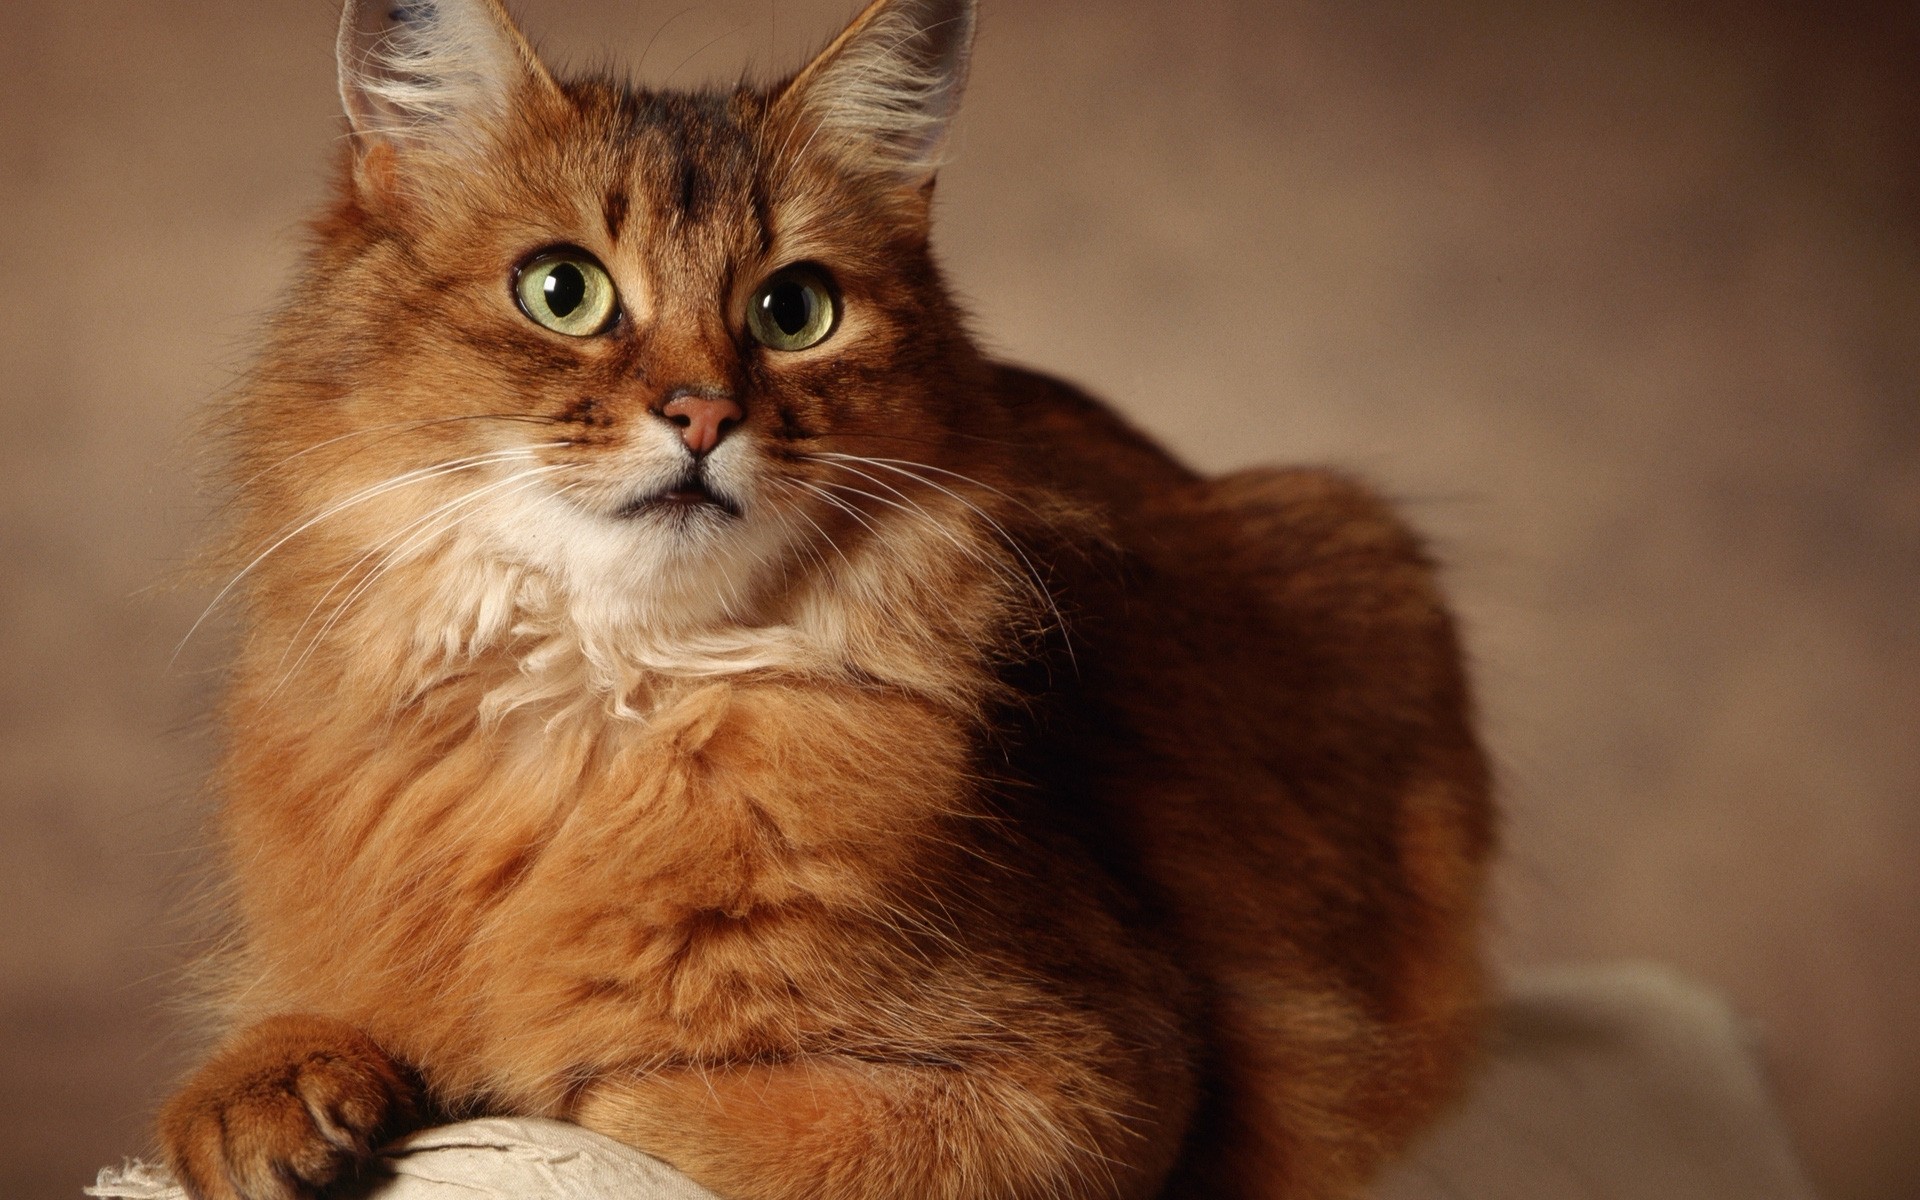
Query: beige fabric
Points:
[496, 1159]
[1607, 1083]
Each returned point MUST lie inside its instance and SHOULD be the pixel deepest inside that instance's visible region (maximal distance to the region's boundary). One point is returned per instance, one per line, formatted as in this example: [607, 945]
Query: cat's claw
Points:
[289, 1107]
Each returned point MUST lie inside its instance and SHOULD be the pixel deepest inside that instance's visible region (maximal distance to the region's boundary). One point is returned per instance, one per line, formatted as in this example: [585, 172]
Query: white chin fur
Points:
[665, 572]
[595, 605]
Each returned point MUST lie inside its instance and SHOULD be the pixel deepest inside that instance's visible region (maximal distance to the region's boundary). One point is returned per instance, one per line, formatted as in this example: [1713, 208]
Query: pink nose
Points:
[703, 420]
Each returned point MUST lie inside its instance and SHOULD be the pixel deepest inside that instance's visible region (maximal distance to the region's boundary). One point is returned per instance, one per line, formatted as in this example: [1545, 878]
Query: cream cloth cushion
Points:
[1607, 1083]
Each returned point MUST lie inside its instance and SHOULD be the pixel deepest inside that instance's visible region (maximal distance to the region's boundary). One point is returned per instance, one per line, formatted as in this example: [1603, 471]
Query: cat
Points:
[689, 691]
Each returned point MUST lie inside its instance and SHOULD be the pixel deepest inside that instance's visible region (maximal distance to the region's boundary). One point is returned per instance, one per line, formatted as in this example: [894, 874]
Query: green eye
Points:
[566, 291]
[794, 309]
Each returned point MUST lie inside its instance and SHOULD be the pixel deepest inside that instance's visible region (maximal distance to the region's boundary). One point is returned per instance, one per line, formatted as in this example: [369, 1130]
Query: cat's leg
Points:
[845, 1129]
[283, 1109]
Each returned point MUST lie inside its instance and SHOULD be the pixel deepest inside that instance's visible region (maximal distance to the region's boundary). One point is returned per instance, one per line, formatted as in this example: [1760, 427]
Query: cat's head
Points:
[674, 353]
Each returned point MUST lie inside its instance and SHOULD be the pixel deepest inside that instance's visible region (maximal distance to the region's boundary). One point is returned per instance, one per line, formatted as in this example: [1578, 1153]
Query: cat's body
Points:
[852, 769]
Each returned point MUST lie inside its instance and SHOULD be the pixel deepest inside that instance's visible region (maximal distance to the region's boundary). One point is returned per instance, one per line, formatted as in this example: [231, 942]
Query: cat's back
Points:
[1073, 442]
[1266, 655]
[1286, 576]
[1283, 621]
[1276, 722]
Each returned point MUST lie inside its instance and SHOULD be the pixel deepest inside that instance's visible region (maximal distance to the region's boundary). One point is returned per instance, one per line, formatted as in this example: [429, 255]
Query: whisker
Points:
[910, 468]
[527, 418]
[898, 466]
[388, 541]
[1034, 579]
[734, 32]
[641, 70]
[818, 528]
[907, 504]
[813, 551]
[838, 503]
[418, 475]
[394, 557]
[936, 443]
[972, 553]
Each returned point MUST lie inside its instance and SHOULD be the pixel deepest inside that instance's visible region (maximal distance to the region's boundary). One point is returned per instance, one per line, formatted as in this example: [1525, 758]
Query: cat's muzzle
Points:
[691, 493]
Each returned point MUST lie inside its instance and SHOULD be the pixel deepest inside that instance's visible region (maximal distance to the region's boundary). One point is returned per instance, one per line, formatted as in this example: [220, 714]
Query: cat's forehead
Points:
[466, 147]
[668, 136]
[646, 174]
[673, 184]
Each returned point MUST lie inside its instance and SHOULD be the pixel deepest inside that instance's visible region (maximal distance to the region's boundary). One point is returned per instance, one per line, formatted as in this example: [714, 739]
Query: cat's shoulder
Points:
[1313, 513]
[1288, 517]
[1081, 442]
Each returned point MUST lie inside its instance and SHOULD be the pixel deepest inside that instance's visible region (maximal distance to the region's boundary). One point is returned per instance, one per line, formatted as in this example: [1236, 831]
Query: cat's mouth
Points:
[689, 494]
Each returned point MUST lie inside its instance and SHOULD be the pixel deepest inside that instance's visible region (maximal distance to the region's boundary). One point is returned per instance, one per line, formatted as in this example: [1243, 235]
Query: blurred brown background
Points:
[1622, 299]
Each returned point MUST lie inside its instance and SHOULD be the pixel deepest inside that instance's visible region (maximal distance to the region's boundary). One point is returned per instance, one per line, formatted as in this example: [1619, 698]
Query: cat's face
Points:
[626, 339]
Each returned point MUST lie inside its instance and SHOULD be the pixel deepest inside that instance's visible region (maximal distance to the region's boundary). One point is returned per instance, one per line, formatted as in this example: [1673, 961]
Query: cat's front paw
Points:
[284, 1109]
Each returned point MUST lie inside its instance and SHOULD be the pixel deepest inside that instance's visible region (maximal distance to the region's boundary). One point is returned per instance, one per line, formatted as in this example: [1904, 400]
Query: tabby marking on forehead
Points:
[615, 211]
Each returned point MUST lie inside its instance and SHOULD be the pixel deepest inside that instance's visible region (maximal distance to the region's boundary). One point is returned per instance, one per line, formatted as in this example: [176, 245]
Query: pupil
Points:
[564, 289]
[791, 308]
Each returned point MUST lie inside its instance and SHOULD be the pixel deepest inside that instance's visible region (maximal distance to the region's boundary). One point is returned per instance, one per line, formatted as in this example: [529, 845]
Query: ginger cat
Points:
[689, 691]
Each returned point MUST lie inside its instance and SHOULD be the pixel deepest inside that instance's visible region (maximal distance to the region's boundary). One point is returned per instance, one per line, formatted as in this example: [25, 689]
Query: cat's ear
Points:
[884, 92]
[432, 73]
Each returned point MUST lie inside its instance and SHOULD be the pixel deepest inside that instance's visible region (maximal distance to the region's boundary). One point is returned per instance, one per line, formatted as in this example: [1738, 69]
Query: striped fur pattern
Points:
[927, 788]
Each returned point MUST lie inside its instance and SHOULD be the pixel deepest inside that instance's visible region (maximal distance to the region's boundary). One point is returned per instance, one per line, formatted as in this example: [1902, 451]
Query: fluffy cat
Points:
[688, 690]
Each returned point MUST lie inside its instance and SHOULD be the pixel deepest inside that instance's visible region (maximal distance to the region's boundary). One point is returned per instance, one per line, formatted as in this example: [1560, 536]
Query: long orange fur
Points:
[990, 806]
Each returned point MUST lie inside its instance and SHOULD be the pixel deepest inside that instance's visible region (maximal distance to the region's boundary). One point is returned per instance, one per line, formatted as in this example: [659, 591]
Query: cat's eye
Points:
[566, 291]
[794, 309]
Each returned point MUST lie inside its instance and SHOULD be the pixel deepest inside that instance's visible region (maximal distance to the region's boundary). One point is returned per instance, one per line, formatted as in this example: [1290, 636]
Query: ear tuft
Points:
[415, 71]
[884, 92]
